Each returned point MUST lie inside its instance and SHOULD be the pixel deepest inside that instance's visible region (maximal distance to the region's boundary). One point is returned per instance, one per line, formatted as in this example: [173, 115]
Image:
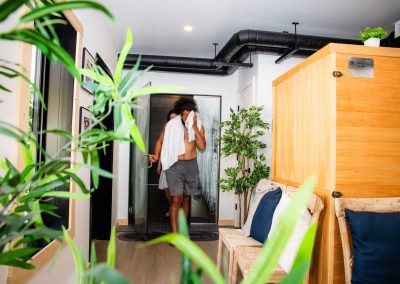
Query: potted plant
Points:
[241, 138]
[373, 36]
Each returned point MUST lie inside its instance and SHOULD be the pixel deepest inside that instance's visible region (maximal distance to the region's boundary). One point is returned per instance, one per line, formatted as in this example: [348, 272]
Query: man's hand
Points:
[195, 128]
[153, 158]
[159, 168]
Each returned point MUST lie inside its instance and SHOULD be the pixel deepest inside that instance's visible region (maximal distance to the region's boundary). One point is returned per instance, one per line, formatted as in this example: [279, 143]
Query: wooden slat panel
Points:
[305, 125]
[367, 148]
[361, 119]
[304, 143]
[371, 105]
[367, 134]
[356, 90]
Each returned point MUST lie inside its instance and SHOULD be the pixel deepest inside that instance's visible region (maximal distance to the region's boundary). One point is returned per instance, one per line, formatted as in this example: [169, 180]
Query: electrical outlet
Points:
[397, 29]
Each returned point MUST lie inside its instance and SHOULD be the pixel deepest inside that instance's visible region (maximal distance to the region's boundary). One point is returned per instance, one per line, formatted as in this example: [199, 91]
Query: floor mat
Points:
[166, 227]
[196, 236]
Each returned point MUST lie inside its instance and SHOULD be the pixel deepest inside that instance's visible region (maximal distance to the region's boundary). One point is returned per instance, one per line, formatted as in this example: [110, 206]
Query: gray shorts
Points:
[183, 177]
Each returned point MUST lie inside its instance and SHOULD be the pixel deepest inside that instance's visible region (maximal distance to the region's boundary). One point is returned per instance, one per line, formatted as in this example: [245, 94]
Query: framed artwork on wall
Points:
[87, 63]
[85, 119]
[100, 63]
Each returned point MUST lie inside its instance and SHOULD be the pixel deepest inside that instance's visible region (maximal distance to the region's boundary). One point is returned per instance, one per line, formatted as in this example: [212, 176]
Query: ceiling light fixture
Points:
[188, 28]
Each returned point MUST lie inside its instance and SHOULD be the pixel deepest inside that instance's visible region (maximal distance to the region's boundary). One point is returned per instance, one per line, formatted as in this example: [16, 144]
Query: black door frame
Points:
[131, 208]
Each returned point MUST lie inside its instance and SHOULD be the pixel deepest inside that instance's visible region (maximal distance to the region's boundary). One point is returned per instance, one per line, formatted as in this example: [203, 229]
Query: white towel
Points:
[189, 126]
[173, 142]
[174, 139]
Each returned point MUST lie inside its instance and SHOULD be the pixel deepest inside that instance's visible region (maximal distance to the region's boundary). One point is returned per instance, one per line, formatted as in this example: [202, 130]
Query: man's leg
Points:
[186, 204]
[168, 197]
[175, 204]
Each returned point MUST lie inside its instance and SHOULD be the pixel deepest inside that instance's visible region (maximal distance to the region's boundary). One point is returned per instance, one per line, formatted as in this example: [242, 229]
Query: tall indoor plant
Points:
[241, 137]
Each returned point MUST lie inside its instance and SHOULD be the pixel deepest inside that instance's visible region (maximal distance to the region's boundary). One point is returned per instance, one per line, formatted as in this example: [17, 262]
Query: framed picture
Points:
[100, 62]
[87, 63]
[85, 119]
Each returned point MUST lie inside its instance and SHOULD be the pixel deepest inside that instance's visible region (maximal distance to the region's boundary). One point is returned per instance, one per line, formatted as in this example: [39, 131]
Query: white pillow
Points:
[290, 251]
[263, 186]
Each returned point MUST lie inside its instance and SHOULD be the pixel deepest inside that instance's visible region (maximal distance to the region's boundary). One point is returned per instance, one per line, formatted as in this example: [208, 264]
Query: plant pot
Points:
[372, 42]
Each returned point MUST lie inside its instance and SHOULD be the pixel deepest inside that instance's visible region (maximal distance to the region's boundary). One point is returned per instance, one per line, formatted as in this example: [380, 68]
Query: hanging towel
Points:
[173, 142]
[174, 139]
[189, 126]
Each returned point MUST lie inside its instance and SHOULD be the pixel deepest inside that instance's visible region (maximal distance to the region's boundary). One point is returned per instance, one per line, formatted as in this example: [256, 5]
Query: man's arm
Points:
[200, 138]
[157, 148]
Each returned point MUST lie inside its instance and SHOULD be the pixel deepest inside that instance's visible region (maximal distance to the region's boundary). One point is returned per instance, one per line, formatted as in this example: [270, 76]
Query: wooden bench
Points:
[238, 244]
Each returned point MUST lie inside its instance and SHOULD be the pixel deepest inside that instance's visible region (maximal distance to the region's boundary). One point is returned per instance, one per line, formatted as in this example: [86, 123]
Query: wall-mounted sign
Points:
[361, 67]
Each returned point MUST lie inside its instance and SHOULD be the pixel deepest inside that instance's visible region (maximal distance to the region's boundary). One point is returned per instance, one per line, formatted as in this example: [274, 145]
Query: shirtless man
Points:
[183, 176]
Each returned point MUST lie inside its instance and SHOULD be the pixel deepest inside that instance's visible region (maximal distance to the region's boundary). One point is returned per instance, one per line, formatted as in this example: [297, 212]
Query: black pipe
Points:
[276, 40]
[236, 50]
[245, 52]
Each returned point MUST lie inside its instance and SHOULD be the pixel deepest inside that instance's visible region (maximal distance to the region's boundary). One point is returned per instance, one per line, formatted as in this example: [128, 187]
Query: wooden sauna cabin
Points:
[337, 115]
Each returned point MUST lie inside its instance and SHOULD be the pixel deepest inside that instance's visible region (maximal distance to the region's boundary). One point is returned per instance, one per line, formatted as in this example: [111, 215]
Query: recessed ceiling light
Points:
[188, 28]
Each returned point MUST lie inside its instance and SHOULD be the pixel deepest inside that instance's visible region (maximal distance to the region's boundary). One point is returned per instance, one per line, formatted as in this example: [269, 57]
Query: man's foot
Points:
[166, 214]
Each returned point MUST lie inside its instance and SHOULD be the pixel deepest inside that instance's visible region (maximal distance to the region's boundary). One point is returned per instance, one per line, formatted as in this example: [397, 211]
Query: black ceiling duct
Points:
[238, 48]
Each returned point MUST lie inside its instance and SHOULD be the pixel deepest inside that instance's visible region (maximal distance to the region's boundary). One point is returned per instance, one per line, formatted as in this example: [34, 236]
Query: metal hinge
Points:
[337, 194]
[337, 74]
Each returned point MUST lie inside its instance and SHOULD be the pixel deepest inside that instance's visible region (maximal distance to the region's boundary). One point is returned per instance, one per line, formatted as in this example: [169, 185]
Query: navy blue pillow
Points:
[376, 246]
[262, 220]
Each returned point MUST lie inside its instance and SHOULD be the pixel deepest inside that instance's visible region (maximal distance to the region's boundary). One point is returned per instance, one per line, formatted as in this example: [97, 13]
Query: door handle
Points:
[145, 163]
[336, 194]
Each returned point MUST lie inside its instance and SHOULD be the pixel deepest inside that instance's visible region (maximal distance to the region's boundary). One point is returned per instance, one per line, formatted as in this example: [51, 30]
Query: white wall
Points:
[9, 51]
[226, 87]
[268, 71]
[264, 71]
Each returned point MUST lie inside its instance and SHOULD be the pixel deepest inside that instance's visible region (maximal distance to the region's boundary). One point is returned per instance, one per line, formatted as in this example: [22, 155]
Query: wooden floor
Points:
[150, 265]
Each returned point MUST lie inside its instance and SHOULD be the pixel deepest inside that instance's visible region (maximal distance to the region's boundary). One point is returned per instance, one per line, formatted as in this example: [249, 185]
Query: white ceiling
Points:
[158, 24]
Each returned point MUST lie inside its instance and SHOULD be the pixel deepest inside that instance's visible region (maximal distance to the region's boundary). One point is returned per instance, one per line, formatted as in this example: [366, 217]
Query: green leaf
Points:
[60, 132]
[122, 56]
[80, 266]
[67, 195]
[103, 273]
[46, 47]
[5, 89]
[49, 9]
[93, 263]
[133, 129]
[273, 248]
[194, 252]
[94, 159]
[20, 264]
[37, 219]
[186, 264]
[10, 255]
[26, 79]
[128, 75]
[99, 171]
[111, 249]
[79, 182]
[303, 257]
[10, 6]
[104, 80]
